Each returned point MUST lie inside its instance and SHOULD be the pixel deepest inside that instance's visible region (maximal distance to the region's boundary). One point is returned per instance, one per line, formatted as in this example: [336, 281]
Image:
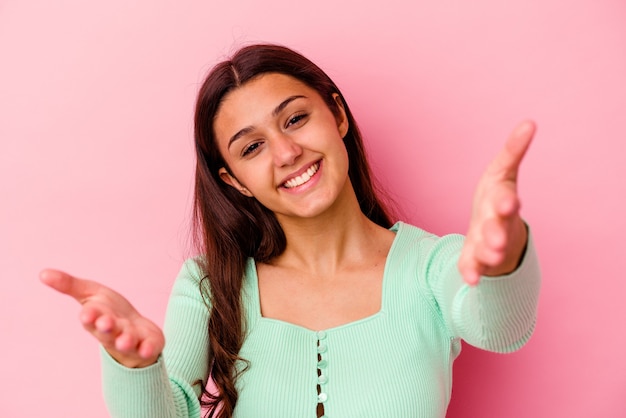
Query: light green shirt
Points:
[395, 363]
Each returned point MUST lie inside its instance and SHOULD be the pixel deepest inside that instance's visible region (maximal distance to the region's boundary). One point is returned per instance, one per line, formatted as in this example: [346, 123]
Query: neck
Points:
[340, 238]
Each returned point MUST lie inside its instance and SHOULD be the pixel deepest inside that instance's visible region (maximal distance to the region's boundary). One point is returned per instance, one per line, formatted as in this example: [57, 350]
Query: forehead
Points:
[254, 100]
[265, 87]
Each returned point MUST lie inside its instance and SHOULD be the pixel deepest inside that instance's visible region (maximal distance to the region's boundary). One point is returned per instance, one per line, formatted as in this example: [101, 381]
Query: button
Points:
[322, 364]
[321, 348]
[321, 335]
[322, 397]
[322, 379]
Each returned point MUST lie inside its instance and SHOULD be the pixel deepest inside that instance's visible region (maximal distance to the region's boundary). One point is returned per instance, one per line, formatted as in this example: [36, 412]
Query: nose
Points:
[285, 151]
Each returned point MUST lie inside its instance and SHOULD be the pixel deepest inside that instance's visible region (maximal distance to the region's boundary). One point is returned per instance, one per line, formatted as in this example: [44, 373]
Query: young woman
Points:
[306, 300]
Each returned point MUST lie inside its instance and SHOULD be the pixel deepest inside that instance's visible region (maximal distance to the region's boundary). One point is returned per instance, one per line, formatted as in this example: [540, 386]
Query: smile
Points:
[302, 178]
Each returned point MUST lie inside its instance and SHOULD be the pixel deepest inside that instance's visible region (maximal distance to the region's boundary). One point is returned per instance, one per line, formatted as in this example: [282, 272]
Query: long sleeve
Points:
[171, 387]
[499, 313]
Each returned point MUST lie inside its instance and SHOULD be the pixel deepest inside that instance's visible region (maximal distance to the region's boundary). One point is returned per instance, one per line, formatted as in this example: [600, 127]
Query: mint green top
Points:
[395, 363]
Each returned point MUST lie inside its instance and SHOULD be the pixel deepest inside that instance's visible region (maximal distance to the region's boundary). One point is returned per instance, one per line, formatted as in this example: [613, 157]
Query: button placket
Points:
[322, 376]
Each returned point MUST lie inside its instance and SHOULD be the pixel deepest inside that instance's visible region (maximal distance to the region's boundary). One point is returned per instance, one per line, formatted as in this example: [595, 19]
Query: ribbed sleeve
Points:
[496, 315]
[167, 389]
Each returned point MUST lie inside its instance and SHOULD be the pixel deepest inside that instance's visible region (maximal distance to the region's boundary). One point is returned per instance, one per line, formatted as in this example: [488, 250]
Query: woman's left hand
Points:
[497, 235]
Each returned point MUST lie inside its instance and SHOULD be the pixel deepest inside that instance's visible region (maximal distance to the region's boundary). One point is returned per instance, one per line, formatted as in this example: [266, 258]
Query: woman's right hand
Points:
[131, 339]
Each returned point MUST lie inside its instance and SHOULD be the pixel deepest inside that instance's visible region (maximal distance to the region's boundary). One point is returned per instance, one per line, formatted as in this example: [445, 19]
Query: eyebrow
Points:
[275, 113]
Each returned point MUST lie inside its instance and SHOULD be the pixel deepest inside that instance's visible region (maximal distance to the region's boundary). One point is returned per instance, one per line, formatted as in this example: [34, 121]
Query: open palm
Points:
[497, 235]
[130, 338]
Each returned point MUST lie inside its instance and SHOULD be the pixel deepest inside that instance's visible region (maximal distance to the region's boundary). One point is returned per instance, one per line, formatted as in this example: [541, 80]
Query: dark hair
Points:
[231, 227]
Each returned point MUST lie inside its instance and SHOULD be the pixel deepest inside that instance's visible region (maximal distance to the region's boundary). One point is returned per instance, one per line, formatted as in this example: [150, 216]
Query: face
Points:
[283, 146]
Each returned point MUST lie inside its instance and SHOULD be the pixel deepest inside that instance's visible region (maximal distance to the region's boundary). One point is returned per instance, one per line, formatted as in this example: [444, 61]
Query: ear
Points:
[342, 117]
[233, 182]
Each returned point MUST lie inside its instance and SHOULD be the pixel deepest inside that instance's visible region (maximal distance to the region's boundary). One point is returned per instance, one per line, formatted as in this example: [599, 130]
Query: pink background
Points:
[96, 165]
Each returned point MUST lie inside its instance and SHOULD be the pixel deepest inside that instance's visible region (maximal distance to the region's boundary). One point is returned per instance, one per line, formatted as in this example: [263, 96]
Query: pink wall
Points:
[96, 166]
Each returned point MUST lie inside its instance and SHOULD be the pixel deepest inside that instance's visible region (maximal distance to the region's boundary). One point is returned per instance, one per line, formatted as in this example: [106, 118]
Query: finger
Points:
[116, 334]
[127, 341]
[469, 269]
[494, 235]
[106, 324]
[508, 204]
[106, 330]
[478, 258]
[509, 159]
[501, 202]
[99, 323]
[471, 275]
[489, 256]
[88, 316]
[79, 289]
[96, 320]
[149, 347]
[146, 349]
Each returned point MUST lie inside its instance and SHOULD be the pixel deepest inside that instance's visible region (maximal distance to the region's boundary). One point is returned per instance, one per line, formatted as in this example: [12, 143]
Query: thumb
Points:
[79, 289]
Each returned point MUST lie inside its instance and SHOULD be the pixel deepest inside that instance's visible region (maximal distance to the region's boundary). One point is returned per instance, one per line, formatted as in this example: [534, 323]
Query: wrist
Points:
[132, 361]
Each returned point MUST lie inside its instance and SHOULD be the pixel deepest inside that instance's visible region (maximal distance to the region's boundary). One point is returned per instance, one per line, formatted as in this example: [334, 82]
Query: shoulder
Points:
[423, 257]
[411, 239]
[190, 278]
[192, 269]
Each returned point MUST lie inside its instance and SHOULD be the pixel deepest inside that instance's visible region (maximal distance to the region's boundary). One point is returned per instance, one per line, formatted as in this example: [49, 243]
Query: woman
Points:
[316, 304]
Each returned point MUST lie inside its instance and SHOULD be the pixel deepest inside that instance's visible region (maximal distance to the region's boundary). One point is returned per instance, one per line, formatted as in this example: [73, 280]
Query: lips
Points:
[302, 178]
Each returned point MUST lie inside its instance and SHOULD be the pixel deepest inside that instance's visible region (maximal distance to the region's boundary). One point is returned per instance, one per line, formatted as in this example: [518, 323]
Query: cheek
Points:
[254, 175]
[340, 150]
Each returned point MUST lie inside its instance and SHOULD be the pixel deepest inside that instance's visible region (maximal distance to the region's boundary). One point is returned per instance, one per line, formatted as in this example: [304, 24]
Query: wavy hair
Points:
[229, 227]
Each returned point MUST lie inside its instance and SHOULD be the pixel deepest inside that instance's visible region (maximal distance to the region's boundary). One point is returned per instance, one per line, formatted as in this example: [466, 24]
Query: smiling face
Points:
[283, 146]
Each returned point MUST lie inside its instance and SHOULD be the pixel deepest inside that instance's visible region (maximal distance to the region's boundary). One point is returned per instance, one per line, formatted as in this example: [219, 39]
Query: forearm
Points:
[171, 387]
[499, 313]
[146, 392]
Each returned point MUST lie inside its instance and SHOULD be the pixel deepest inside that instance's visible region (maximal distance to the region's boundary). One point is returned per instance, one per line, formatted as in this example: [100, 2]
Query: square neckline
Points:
[256, 296]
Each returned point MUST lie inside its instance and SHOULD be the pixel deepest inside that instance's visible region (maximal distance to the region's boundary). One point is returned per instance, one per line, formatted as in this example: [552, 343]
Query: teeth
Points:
[302, 178]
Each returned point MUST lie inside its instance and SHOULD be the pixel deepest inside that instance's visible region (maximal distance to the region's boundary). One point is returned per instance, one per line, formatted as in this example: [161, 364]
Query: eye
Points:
[296, 119]
[250, 149]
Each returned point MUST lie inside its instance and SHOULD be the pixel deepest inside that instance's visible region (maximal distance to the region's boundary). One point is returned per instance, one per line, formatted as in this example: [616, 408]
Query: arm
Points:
[172, 386]
[497, 314]
[136, 381]
[491, 299]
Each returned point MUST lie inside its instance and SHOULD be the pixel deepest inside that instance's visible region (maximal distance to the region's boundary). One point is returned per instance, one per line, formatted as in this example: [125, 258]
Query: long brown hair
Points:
[231, 227]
